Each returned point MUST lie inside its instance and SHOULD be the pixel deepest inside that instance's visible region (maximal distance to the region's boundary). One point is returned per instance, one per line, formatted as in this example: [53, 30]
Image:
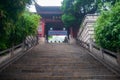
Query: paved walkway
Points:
[57, 62]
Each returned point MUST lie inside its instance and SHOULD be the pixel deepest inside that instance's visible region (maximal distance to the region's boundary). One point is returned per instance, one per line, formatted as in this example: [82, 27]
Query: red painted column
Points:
[41, 29]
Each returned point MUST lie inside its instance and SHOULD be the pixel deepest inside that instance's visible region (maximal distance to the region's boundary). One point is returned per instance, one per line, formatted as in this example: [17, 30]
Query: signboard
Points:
[40, 28]
[55, 32]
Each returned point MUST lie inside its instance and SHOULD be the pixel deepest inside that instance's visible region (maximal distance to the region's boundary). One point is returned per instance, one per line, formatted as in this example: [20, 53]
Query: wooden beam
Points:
[52, 20]
[49, 12]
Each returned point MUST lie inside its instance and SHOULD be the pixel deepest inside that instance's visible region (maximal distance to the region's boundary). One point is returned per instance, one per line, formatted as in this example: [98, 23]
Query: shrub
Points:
[107, 29]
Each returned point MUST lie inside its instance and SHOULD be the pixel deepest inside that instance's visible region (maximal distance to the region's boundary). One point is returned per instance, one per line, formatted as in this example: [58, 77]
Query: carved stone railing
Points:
[11, 54]
[108, 58]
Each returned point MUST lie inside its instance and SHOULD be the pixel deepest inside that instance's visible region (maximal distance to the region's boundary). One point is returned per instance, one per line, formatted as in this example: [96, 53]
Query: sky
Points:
[49, 2]
[46, 3]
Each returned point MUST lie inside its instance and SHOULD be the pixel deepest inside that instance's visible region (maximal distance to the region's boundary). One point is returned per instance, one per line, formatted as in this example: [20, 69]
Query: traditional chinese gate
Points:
[51, 20]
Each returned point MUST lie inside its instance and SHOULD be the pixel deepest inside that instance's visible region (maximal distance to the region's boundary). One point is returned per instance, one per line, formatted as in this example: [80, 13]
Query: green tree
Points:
[77, 9]
[107, 29]
[26, 25]
[68, 19]
[11, 15]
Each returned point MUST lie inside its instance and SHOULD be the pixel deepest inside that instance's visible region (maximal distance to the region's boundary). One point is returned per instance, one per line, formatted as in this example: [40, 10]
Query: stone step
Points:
[57, 62]
[49, 76]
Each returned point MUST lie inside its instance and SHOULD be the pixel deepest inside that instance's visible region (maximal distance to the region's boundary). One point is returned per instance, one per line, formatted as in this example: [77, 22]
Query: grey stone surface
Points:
[57, 62]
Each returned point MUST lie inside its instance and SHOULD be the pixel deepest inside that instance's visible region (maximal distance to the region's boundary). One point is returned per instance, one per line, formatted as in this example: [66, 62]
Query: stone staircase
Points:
[42, 40]
[57, 62]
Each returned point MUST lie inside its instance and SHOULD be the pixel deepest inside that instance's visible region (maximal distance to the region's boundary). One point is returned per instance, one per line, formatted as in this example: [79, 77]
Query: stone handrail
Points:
[11, 54]
[108, 58]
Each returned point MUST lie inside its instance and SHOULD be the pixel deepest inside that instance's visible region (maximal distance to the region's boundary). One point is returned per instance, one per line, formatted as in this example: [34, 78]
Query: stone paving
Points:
[57, 62]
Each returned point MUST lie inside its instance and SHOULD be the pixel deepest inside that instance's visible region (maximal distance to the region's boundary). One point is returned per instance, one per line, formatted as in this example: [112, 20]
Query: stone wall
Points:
[86, 31]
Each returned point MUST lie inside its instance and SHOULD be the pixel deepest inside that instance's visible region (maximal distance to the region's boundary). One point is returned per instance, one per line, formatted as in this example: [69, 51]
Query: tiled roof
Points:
[47, 9]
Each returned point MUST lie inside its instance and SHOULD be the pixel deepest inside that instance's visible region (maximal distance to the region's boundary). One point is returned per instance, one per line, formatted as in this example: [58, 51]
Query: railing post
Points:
[101, 52]
[118, 60]
[37, 39]
[23, 46]
[12, 51]
[90, 45]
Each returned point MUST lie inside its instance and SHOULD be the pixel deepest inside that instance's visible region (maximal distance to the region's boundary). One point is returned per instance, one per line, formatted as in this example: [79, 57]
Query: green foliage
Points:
[26, 25]
[106, 4]
[68, 19]
[77, 9]
[15, 23]
[107, 29]
[10, 11]
[67, 6]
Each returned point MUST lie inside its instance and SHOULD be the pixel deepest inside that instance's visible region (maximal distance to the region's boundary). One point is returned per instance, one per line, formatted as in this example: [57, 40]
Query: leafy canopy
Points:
[69, 19]
[107, 29]
[77, 9]
[15, 23]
